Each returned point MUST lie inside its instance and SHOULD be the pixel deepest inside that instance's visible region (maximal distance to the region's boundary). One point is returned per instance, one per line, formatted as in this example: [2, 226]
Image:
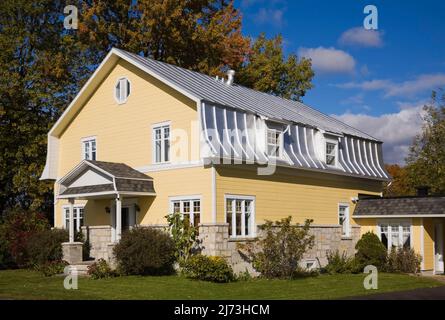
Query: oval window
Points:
[122, 90]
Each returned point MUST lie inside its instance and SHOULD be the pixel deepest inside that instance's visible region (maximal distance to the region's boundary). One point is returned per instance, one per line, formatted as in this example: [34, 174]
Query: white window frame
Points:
[76, 216]
[162, 126]
[347, 219]
[190, 199]
[280, 142]
[243, 198]
[127, 83]
[84, 142]
[401, 223]
[335, 142]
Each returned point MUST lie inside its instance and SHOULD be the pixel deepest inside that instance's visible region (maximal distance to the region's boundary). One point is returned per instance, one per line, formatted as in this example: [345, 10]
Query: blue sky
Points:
[378, 80]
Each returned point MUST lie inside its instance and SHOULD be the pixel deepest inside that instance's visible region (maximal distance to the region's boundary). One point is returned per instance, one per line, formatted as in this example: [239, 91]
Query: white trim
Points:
[233, 221]
[360, 157]
[347, 216]
[280, 144]
[349, 158]
[213, 186]
[366, 158]
[105, 193]
[400, 222]
[378, 161]
[190, 199]
[401, 216]
[237, 134]
[372, 160]
[307, 149]
[161, 126]
[83, 143]
[216, 131]
[77, 226]
[299, 147]
[227, 133]
[422, 244]
[315, 151]
[120, 102]
[334, 142]
[170, 166]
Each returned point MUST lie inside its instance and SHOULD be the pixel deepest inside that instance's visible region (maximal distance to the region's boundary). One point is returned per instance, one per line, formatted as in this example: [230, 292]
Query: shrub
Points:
[101, 270]
[213, 269]
[184, 236]
[403, 260]
[52, 268]
[145, 251]
[339, 263]
[15, 230]
[278, 253]
[370, 251]
[46, 246]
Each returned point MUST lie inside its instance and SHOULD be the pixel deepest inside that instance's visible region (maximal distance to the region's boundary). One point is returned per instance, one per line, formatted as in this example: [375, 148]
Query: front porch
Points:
[117, 185]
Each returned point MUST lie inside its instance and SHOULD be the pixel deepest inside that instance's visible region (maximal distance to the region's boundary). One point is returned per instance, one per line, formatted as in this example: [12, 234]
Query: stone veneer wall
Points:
[215, 242]
[99, 238]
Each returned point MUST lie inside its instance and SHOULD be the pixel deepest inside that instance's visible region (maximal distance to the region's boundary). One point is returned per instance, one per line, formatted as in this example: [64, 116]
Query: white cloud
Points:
[408, 88]
[272, 16]
[361, 37]
[329, 60]
[396, 130]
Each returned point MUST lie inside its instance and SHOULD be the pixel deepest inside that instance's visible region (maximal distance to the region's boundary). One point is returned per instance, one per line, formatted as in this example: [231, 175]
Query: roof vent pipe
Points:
[230, 77]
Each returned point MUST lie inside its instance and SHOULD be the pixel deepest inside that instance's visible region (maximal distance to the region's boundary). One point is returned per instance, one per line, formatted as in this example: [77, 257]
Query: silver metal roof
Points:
[239, 136]
[209, 89]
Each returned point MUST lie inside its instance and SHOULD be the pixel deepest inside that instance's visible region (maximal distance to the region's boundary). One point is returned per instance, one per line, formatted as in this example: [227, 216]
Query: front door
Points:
[125, 218]
[438, 248]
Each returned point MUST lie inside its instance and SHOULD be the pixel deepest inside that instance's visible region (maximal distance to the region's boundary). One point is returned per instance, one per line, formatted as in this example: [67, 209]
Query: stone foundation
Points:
[99, 237]
[72, 252]
[215, 242]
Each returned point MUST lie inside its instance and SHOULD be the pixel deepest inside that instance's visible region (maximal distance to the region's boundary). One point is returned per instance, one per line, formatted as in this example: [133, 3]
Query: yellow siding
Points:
[303, 195]
[124, 134]
[367, 225]
[428, 241]
[417, 234]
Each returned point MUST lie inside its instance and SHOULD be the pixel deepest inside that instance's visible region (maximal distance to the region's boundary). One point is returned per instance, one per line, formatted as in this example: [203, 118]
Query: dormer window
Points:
[274, 142]
[122, 90]
[331, 153]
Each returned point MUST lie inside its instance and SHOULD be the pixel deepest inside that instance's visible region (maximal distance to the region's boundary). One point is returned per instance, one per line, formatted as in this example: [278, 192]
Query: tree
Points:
[400, 185]
[267, 70]
[426, 158]
[38, 77]
[43, 66]
[202, 35]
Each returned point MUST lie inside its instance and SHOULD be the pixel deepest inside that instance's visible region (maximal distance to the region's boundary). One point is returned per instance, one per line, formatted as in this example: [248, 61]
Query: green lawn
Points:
[25, 284]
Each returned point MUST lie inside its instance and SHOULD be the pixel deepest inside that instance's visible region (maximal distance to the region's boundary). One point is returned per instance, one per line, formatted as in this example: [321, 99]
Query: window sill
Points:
[242, 239]
[346, 238]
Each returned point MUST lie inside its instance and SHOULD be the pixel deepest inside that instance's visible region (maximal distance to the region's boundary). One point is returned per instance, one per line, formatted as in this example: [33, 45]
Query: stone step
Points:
[80, 267]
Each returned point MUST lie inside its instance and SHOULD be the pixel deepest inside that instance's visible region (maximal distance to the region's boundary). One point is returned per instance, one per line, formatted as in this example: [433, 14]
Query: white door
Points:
[438, 248]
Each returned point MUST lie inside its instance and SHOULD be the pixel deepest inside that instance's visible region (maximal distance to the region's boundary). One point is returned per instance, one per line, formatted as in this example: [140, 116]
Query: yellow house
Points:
[144, 138]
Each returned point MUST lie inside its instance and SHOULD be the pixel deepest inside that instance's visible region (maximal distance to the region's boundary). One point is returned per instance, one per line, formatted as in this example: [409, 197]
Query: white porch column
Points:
[118, 217]
[71, 220]
[113, 220]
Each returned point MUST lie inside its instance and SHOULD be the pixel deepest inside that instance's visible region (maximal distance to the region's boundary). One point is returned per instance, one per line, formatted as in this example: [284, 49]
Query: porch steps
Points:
[81, 267]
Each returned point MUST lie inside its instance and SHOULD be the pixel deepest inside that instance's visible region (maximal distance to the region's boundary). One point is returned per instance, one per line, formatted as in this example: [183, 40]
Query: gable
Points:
[95, 111]
[90, 177]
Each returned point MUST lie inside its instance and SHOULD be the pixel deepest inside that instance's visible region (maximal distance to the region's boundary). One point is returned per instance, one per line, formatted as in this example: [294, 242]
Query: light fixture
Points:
[107, 209]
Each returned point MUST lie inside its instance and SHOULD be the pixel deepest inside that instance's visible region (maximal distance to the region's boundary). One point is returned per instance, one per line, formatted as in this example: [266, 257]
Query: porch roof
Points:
[399, 207]
[101, 179]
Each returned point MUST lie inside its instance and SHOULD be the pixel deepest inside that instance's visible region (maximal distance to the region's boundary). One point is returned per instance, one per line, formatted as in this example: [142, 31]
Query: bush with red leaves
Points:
[16, 228]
